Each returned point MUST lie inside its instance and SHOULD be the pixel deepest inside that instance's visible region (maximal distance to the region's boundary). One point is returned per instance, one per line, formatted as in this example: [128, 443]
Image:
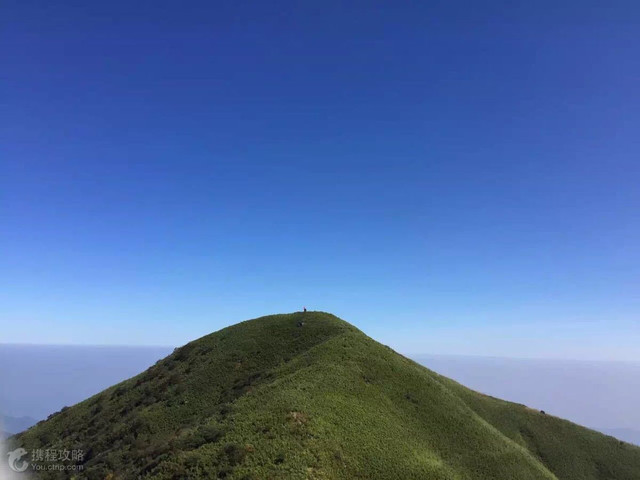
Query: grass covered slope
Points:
[273, 398]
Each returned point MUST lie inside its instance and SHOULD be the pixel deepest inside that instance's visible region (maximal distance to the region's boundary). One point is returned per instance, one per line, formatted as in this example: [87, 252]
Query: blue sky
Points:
[451, 178]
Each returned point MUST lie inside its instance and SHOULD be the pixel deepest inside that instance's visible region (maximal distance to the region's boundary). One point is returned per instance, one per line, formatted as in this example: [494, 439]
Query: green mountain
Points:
[309, 396]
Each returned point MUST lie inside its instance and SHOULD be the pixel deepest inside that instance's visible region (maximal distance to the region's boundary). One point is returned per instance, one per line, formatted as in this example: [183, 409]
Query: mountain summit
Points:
[309, 396]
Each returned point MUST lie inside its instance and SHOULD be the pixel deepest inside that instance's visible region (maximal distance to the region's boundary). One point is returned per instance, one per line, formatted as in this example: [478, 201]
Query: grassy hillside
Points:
[308, 396]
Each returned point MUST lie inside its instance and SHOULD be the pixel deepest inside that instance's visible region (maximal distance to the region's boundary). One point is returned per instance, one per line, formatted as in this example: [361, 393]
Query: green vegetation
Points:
[308, 396]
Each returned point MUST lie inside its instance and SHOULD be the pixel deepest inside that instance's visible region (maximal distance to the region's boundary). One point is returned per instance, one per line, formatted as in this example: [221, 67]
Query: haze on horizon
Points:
[599, 395]
[449, 177]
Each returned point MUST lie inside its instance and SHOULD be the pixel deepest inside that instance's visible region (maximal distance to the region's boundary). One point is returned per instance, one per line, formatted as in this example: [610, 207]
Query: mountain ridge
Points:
[307, 395]
[629, 435]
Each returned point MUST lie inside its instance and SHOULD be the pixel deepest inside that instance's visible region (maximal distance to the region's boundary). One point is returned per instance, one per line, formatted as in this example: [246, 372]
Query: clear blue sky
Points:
[450, 177]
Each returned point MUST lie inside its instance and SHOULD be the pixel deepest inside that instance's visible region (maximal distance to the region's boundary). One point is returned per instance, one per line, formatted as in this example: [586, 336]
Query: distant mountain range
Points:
[11, 425]
[307, 395]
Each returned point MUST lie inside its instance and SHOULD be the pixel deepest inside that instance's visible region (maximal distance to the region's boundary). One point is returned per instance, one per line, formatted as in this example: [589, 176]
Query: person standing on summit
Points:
[304, 309]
